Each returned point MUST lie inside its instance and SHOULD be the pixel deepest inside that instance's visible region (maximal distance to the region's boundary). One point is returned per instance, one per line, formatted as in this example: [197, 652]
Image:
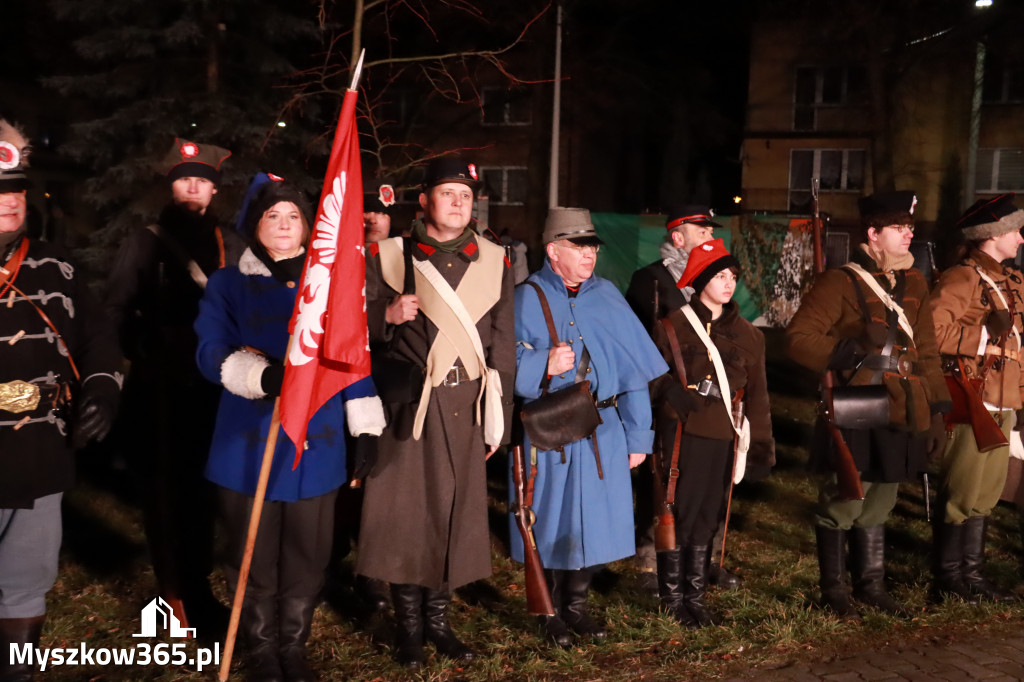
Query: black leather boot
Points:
[574, 608]
[868, 548]
[20, 631]
[296, 617]
[835, 595]
[670, 588]
[373, 592]
[554, 627]
[948, 582]
[695, 585]
[974, 557]
[438, 630]
[408, 603]
[259, 626]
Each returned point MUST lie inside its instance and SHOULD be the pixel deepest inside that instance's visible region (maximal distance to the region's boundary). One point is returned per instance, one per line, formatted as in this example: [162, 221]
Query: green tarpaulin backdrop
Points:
[632, 241]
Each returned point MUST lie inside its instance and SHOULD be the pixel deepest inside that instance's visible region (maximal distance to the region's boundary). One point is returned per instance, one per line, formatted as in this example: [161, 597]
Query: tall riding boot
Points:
[296, 615]
[574, 609]
[974, 557]
[259, 625]
[408, 603]
[719, 575]
[20, 631]
[670, 587]
[695, 585]
[868, 548]
[835, 594]
[438, 630]
[948, 539]
[554, 627]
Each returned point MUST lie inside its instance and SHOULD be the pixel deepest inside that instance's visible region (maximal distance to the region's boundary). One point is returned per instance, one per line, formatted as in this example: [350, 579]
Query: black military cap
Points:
[991, 218]
[451, 169]
[887, 208]
[694, 214]
[186, 159]
[381, 202]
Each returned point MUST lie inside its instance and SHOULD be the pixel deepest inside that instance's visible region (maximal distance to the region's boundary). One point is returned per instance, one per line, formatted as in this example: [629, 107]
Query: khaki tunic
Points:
[961, 302]
[424, 518]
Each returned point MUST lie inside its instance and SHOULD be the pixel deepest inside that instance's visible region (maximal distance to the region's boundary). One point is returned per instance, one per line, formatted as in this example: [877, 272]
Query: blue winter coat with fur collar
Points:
[246, 306]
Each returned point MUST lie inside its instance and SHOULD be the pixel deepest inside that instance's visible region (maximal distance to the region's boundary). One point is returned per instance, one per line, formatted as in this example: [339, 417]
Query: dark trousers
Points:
[705, 465]
[293, 545]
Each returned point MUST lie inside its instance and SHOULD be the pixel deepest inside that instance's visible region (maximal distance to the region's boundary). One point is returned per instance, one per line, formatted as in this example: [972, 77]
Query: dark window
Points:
[506, 106]
[839, 170]
[504, 185]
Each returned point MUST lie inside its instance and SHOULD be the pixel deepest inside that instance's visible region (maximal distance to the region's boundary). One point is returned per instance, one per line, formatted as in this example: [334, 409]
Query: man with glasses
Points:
[583, 496]
[870, 323]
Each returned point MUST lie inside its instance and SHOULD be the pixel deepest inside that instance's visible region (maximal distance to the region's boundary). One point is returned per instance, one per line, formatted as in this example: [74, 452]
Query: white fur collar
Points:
[249, 264]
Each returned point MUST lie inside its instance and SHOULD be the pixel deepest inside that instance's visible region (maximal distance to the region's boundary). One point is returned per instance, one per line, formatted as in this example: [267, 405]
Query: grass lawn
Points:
[105, 580]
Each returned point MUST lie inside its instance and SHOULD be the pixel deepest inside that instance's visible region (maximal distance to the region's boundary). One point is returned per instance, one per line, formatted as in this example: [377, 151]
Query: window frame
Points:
[816, 170]
[484, 170]
[506, 94]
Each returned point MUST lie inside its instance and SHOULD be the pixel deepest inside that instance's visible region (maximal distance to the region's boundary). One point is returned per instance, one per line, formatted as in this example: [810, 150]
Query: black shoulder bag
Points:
[570, 414]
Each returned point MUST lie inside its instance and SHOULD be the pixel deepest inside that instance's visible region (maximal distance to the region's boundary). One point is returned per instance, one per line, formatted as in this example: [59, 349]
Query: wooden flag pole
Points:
[259, 497]
[250, 540]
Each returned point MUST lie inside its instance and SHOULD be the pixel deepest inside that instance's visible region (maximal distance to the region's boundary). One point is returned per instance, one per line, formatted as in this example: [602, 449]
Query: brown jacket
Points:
[829, 331]
[961, 304]
[741, 346]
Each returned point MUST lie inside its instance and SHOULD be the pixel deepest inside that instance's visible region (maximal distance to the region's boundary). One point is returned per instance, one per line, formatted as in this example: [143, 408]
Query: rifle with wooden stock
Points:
[847, 476]
[538, 598]
[664, 516]
[969, 408]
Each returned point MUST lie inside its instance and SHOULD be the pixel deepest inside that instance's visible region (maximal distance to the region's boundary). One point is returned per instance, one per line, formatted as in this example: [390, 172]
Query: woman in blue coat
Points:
[584, 518]
[243, 333]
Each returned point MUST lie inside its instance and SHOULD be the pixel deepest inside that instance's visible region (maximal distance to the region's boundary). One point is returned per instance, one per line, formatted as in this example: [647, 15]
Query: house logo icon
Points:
[157, 614]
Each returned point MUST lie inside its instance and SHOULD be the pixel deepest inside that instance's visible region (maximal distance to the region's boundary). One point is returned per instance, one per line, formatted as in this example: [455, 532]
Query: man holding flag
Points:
[424, 526]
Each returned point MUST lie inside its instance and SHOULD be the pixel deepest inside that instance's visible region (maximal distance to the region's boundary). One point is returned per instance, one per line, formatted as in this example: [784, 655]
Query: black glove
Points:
[271, 380]
[364, 456]
[683, 400]
[936, 438]
[998, 323]
[93, 419]
[1019, 426]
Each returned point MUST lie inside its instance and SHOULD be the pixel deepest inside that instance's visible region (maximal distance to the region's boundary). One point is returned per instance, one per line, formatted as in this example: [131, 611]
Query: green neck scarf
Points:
[419, 231]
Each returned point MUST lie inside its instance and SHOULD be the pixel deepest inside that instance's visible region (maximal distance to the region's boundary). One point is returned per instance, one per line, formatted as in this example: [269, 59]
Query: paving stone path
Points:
[994, 658]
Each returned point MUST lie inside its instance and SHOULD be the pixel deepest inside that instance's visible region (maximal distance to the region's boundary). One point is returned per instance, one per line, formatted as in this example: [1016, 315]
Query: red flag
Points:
[330, 349]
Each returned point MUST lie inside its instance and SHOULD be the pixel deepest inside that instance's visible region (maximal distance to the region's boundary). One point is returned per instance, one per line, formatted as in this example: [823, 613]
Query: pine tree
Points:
[147, 71]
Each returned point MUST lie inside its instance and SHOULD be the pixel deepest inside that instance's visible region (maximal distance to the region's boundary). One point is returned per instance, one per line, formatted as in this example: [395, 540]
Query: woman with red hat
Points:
[703, 390]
